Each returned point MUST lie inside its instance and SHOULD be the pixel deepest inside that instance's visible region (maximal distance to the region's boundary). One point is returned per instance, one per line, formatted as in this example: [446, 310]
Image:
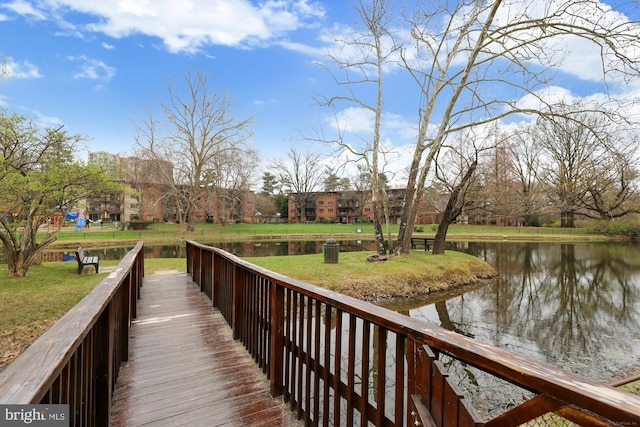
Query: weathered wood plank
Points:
[185, 368]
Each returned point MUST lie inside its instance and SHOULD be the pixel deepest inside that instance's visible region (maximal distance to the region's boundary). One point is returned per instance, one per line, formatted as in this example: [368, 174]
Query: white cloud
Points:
[108, 46]
[42, 120]
[92, 69]
[394, 128]
[353, 120]
[20, 70]
[301, 48]
[549, 95]
[190, 25]
[575, 53]
[24, 8]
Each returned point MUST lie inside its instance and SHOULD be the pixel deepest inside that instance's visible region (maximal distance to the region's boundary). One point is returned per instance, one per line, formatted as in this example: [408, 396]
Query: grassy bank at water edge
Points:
[418, 273]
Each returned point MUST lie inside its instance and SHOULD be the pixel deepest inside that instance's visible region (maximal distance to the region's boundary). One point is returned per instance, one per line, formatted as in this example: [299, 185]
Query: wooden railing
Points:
[340, 361]
[76, 361]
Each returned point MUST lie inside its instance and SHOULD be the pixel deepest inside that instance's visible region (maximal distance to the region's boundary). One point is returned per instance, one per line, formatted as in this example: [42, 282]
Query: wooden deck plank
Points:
[185, 368]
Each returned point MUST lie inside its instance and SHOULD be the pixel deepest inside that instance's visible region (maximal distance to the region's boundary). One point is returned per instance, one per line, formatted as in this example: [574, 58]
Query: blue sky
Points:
[96, 65]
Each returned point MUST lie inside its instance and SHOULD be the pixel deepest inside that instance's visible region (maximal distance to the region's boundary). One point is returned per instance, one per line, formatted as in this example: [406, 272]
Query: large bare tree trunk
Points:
[452, 211]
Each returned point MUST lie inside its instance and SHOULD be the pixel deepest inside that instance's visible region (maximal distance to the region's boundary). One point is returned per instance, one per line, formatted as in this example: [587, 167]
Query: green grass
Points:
[410, 275]
[633, 388]
[30, 305]
[155, 265]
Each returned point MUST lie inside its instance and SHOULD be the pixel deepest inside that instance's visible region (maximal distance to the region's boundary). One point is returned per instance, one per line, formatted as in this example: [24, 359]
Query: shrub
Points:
[139, 225]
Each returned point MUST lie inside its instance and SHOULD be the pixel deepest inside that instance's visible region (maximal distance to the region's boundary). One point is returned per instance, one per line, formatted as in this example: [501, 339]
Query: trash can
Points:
[331, 250]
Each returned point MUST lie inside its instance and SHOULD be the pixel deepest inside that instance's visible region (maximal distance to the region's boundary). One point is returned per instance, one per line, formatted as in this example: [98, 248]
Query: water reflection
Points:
[243, 249]
[576, 306]
[256, 249]
[164, 251]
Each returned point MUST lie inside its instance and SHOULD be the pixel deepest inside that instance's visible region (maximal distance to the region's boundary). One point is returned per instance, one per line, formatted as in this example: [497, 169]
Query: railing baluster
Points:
[103, 364]
[307, 359]
[364, 387]
[278, 328]
[288, 357]
[351, 369]
[381, 370]
[295, 354]
[399, 412]
[301, 358]
[337, 370]
[326, 380]
[317, 320]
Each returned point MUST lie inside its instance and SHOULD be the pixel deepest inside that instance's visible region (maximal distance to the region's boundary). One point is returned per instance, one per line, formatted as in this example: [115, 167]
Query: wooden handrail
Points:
[76, 361]
[326, 352]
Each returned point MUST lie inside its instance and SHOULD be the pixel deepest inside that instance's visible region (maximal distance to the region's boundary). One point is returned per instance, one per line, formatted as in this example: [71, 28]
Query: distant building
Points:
[146, 195]
[106, 207]
[343, 207]
[109, 163]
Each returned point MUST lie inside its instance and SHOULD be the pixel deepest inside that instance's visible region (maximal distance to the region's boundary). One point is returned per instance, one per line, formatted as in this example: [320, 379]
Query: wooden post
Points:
[237, 295]
[126, 317]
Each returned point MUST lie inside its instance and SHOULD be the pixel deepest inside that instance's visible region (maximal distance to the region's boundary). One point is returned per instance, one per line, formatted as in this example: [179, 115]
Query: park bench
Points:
[424, 241]
[83, 259]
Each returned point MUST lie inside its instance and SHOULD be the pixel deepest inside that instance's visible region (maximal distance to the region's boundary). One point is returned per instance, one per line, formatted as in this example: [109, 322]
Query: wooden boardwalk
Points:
[185, 369]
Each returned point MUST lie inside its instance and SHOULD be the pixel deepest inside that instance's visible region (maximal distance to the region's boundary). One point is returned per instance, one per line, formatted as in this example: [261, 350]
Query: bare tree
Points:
[465, 57]
[588, 169]
[302, 174]
[266, 208]
[195, 128]
[455, 166]
[228, 177]
[529, 199]
[613, 192]
[364, 68]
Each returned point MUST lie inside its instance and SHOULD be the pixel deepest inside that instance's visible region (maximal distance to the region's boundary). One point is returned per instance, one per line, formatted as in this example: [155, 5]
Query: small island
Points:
[417, 274]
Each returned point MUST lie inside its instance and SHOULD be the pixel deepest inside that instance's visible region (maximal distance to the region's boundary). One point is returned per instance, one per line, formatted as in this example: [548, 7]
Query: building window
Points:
[330, 202]
[321, 210]
[330, 210]
[321, 202]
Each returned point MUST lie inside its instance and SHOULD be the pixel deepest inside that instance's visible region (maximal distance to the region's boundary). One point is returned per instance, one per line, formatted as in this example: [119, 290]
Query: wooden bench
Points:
[424, 241]
[83, 259]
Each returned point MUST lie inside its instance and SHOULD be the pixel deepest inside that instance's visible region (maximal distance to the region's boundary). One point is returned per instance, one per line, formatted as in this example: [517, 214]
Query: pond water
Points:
[241, 249]
[575, 306]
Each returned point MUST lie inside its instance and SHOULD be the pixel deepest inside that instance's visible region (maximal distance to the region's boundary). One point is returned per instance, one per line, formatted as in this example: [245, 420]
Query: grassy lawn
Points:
[416, 274]
[30, 305]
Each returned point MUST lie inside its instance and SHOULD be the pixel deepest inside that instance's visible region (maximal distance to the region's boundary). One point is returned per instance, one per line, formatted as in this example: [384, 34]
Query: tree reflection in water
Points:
[575, 306]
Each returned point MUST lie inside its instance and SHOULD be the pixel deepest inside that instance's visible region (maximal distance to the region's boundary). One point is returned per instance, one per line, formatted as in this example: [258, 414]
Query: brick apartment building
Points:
[145, 196]
[352, 207]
